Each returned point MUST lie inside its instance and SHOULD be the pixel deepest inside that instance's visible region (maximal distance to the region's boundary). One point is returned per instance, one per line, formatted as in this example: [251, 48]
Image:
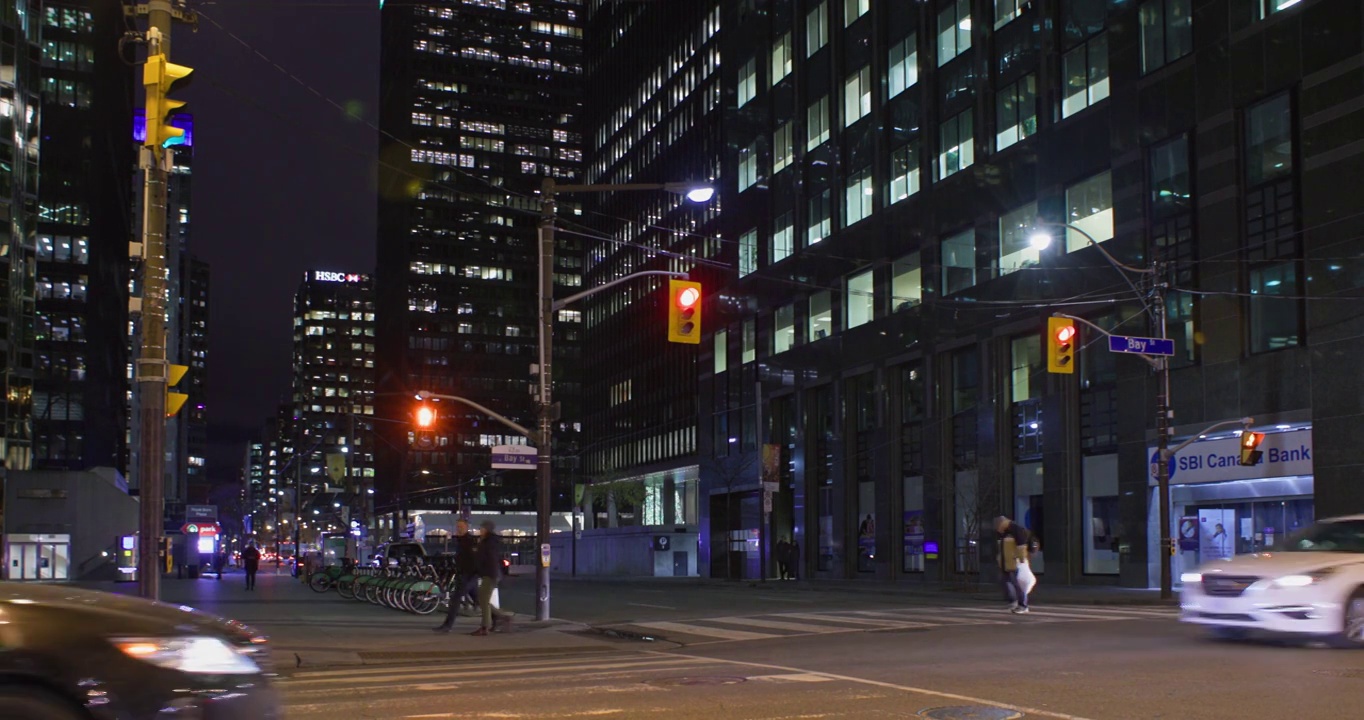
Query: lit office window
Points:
[854, 9]
[860, 299]
[857, 96]
[748, 82]
[750, 342]
[781, 58]
[783, 238]
[748, 252]
[748, 166]
[1016, 250]
[959, 262]
[817, 123]
[784, 329]
[1006, 10]
[1089, 206]
[1016, 112]
[857, 203]
[1269, 7]
[721, 351]
[816, 29]
[1086, 75]
[903, 70]
[783, 147]
[1166, 32]
[904, 171]
[956, 145]
[906, 283]
[819, 218]
[954, 31]
[821, 316]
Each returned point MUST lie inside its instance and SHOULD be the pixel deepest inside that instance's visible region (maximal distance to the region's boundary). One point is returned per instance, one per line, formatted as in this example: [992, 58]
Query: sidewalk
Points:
[985, 590]
[310, 629]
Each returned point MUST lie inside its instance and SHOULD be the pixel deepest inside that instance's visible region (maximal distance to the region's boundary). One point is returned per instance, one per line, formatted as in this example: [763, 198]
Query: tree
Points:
[978, 503]
[732, 471]
[613, 491]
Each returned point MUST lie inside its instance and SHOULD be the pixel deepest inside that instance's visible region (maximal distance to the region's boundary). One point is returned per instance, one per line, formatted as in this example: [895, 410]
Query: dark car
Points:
[68, 654]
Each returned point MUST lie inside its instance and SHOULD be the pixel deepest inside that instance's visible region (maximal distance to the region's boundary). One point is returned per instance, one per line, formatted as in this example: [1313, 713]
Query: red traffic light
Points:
[426, 417]
[688, 297]
[1251, 440]
[1065, 334]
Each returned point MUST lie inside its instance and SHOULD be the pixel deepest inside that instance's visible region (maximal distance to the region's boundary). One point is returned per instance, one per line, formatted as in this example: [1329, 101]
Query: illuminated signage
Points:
[327, 276]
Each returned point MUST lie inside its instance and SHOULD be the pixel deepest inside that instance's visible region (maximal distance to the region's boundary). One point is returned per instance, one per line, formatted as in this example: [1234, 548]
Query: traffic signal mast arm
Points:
[1244, 422]
[1154, 362]
[428, 395]
[561, 304]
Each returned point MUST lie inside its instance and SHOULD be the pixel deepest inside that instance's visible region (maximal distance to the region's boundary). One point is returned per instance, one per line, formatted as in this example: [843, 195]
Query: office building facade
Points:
[889, 166]
[480, 102]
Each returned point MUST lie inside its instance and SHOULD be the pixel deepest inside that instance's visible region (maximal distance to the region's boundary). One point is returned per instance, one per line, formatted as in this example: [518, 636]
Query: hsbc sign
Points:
[327, 276]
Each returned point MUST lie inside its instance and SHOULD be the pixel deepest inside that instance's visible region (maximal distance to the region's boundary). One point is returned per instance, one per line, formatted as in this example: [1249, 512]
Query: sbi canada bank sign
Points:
[1285, 454]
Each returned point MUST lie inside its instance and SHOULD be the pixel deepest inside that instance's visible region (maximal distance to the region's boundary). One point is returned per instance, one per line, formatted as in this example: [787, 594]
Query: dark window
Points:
[1269, 140]
[1171, 186]
[912, 393]
[965, 380]
[1166, 32]
[1275, 322]
[1174, 240]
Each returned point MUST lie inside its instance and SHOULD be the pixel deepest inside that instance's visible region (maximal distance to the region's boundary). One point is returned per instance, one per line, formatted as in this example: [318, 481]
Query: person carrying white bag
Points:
[1013, 564]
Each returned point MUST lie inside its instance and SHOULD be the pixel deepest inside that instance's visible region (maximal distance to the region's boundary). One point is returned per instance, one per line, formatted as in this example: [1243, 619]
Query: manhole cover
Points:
[970, 712]
[699, 680]
[1343, 672]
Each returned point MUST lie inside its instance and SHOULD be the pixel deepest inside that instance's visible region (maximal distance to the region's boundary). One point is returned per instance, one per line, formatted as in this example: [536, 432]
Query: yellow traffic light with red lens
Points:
[1250, 452]
[684, 312]
[426, 417]
[1061, 338]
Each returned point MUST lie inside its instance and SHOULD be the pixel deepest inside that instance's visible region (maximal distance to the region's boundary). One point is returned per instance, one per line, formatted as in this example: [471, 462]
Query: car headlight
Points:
[1303, 579]
[198, 655]
[1191, 577]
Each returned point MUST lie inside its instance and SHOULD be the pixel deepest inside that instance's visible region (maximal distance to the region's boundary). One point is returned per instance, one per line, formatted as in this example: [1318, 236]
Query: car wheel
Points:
[36, 704]
[1229, 633]
[1352, 631]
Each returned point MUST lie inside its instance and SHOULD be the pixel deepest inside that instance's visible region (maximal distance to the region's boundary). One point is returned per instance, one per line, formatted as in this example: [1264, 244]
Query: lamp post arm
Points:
[1114, 261]
[1245, 422]
[426, 394]
[609, 188]
[561, 304]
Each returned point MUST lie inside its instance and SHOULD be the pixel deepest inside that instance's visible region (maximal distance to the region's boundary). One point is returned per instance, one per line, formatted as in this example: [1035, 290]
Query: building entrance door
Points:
[38, 557]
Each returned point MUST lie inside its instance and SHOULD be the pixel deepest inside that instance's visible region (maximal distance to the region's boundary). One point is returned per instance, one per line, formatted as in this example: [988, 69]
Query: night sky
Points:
[283, 182]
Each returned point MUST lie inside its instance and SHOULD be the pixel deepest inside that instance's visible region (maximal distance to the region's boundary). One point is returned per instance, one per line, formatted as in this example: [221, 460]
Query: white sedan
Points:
[1313, 586]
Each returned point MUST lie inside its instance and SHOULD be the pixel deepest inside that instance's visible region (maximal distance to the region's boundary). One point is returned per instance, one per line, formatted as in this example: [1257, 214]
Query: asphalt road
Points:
[881, 658]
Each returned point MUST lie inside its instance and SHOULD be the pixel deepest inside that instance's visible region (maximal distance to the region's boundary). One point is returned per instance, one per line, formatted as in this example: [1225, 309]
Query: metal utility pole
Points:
[152, 364]
[1163, 423]
[543, 452]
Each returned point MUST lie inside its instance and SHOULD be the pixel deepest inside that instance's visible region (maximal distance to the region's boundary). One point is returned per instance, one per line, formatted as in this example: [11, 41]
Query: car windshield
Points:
[1339, 536]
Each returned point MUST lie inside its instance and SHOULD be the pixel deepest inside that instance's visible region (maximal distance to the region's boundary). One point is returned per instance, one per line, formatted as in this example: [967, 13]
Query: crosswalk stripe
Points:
[706, 631]
[1045, 612]
[935, 618]
[547, 663]
[397, 677]
[843, 619]
[777, 625]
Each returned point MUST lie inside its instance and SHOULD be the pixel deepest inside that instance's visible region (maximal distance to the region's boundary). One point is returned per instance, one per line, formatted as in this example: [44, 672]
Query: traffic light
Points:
[159, 75]
[1061, 337]
[684, 312]
[1250, 442]
[426, 417]
[175, 400]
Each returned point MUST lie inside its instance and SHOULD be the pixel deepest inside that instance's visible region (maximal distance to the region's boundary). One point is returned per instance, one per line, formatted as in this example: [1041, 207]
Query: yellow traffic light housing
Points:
[684, 312]
[1250, 443]
[1061, 337]
[175, 400]
[159, 75]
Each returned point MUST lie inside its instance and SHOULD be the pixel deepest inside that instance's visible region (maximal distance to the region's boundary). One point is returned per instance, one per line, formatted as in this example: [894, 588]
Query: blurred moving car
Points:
[1313, 586]
[70, 654]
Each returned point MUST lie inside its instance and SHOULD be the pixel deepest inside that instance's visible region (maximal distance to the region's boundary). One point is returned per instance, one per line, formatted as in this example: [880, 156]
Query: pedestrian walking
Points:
[784, 558]
[220, 563]
[251, 563]
[1013, 551]
[466, 574]
[490, 572]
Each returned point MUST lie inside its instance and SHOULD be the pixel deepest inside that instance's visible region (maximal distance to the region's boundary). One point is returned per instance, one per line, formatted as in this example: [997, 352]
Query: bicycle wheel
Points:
[345, 586]
[426, 600]
[321, 582]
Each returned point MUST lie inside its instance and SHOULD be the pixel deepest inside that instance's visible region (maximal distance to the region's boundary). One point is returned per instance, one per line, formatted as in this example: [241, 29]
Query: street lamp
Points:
[1040, 239]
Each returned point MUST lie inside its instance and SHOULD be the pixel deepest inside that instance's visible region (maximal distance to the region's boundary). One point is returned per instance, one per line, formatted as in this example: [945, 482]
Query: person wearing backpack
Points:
[1013, 550]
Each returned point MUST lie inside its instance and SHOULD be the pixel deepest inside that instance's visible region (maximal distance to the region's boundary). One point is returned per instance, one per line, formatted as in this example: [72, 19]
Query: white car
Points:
[1312, 586]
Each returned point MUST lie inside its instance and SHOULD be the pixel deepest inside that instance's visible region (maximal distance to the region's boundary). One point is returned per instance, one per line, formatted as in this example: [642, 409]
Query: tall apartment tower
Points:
[654, 113]
[333, 396]
[480, 102]
[84, 226]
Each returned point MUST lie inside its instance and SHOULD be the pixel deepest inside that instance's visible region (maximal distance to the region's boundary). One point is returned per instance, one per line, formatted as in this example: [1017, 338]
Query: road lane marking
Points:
[647, 605]
[894, 686]
[473, 663]
[778, 625]
[935, 618]
[706, 631]
[843, 619]
[397, 675]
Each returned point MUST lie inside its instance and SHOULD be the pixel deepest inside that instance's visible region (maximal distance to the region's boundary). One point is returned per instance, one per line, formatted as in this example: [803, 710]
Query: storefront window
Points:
[1100, 507]
[914, 524]
[1028, 508]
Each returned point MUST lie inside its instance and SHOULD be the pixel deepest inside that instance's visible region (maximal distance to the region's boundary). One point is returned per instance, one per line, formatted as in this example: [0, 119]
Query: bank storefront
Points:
[1220, 508]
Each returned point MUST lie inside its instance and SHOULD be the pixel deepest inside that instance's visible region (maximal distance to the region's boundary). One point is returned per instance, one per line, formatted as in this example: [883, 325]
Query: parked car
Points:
[69, 654]
[1312, 586]
[399, 552]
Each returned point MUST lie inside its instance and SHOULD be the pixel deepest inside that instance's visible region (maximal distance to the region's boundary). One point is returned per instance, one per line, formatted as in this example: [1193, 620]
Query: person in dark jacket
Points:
[1013, 549]
[251, 563]
[489, 574]
[466, 573]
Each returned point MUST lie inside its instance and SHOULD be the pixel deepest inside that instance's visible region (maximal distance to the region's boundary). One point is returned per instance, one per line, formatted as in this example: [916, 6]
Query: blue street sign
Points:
[1140, 345]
